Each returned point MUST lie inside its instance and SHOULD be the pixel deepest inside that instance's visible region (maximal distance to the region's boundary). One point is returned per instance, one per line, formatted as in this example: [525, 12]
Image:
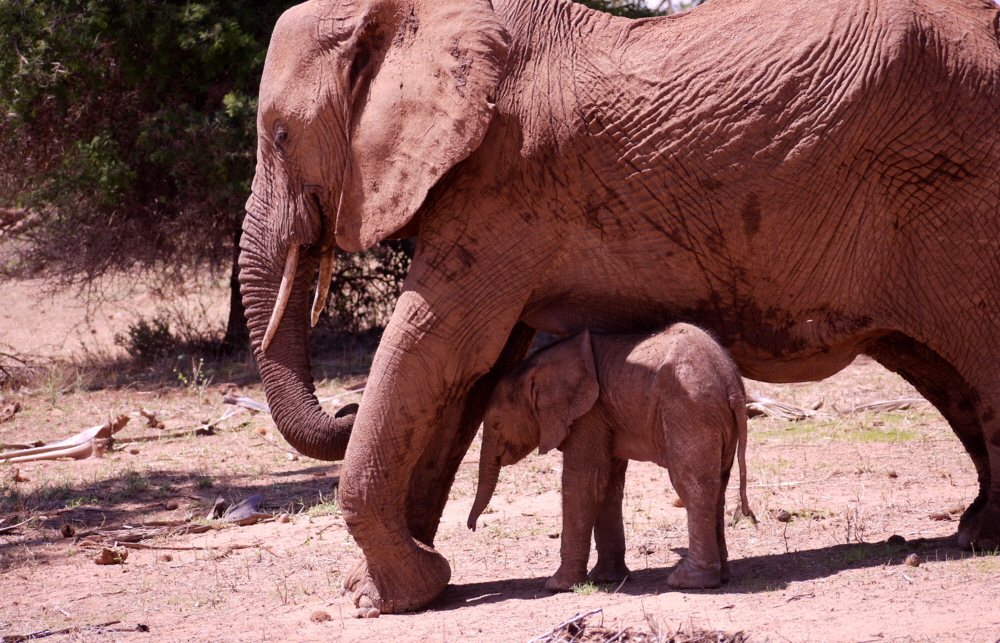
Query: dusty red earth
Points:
[848, 482]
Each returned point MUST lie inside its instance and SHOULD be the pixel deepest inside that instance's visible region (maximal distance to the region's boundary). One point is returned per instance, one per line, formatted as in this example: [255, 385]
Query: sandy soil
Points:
[64, 326]
[827, 575]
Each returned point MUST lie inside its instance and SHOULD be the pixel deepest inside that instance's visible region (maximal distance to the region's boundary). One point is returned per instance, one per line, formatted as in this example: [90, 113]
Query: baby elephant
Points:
[674, 398]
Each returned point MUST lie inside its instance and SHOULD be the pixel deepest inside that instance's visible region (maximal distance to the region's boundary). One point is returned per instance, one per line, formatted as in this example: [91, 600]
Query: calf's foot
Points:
[689, 576]
[605, 571]
[979, 527]
[564, 580]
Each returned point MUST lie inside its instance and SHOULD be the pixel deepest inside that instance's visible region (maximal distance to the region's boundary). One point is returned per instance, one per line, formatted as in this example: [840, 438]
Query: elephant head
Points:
[364, 105]
[534, 405]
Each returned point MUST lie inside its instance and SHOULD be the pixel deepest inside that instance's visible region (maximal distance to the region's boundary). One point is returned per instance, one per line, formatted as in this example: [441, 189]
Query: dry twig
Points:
[884, 406]
[105, 627]
[576, 630]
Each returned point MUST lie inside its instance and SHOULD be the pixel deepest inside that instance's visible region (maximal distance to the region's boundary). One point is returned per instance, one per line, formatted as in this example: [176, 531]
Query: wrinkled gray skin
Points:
[807, 179]
[674, 398]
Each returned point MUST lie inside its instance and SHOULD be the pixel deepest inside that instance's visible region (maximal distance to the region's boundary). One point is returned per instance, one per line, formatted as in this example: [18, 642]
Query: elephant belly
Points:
[777, 350]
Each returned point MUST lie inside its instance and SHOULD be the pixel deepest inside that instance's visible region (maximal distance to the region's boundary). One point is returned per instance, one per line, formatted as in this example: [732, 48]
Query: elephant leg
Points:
[429, 360]
[434, 473]
[693, 455]
[702, 567]
[586, 471]
[944, 387]
[609, 530]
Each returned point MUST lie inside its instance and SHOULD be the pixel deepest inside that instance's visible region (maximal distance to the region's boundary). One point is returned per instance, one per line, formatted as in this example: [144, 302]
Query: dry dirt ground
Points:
[828, 574]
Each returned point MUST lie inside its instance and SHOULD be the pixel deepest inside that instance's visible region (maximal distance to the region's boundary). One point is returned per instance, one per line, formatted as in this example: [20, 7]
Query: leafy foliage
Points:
[129, 132]
[130, 128]
[625, 8]
[639, 8]
[367, 284]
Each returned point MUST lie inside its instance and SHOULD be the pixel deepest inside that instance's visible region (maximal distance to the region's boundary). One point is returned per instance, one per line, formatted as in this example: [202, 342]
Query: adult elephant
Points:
[809, 180]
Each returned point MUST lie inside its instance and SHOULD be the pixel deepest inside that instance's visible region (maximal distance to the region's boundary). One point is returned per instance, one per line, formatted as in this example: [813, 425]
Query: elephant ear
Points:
[426, 74]
[564, 387]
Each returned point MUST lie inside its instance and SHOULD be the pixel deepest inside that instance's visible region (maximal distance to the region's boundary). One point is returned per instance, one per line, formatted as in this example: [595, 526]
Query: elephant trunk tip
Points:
[472, 522]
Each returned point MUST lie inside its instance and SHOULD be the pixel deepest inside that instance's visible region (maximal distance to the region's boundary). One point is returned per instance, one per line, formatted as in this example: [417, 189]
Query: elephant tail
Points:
[740, 413]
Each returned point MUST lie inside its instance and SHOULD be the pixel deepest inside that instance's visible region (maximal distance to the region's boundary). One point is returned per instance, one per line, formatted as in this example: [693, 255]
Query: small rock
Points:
[161, 425]
[111, 557]
[783, 516]
[678, 502]
[292, 456]
[172, 505]
[553, 535]
[896, 539]
[67, 530]
[913, 560]
[133, 451]
[891, 473]
[939, 515]
[284, 518]
[261, 430]
[164, 558]
[319, 474]
[319, 616]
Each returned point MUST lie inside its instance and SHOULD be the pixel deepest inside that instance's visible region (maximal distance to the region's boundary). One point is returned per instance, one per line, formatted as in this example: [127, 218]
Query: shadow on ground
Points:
[131, 498]
[750, 575]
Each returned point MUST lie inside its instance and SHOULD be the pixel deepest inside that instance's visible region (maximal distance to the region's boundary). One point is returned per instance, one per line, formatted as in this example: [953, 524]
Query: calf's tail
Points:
[740, 412]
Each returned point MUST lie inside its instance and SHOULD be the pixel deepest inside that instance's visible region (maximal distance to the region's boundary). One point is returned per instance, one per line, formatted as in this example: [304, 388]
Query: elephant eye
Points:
[280, 139]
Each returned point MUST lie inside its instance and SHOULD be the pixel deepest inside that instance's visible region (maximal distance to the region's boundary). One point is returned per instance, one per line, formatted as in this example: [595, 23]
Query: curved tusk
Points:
[323, 285]
[284, 291]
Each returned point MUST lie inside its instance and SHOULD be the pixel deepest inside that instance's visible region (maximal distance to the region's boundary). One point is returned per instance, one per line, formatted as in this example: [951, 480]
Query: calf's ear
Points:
[564, 388]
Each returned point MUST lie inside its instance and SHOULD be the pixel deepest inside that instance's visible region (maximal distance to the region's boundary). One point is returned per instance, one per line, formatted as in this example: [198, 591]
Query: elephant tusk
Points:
[284, 291]
[323, 285]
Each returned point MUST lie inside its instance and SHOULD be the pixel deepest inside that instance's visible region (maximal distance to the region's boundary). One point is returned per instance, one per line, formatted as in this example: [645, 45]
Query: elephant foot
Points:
[398, 585]
[564, 580]
[979, 528]
[605, 571]
[689, 576]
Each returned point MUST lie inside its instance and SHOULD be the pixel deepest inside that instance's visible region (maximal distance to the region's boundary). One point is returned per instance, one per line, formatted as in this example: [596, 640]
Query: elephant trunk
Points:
[489, 474]
[285, 368]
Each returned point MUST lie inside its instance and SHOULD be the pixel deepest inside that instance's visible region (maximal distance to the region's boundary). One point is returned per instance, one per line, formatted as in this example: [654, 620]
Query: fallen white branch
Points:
[336, 398]
[757, 404]
[246, 402]
[88, 443]
[884, 406]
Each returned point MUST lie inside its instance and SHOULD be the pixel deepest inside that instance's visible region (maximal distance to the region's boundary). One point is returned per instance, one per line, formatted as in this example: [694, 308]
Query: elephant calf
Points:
[674, 398]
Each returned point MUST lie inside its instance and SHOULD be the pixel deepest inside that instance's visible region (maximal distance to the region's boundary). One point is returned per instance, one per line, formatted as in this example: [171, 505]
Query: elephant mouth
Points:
[326, 261]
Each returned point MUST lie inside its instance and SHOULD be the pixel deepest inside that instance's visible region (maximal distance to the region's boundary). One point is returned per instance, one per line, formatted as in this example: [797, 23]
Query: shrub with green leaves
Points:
[129, 131]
